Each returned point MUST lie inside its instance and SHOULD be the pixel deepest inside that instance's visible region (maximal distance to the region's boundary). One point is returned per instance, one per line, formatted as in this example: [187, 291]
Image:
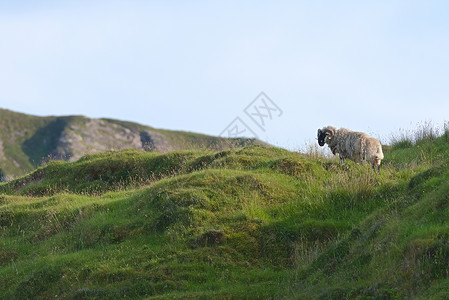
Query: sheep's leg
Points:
[342, 160]
[375, 167]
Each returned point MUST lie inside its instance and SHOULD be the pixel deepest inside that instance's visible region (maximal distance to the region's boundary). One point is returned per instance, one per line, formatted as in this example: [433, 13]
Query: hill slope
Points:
[26, 140]
[255, 222]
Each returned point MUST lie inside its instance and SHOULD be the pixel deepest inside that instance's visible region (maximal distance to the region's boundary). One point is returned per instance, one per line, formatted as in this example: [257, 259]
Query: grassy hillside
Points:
[248, 223]
[15, 129]
[28, 141]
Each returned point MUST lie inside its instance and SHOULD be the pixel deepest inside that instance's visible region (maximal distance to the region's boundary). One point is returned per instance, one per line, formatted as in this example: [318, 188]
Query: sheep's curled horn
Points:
[327, 130]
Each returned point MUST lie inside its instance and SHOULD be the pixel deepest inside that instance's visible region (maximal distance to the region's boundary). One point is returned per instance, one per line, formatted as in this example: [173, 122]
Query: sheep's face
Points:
[321, 137]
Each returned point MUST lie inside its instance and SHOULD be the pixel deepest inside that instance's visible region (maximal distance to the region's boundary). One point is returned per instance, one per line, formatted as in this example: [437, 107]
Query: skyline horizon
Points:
[420, 127]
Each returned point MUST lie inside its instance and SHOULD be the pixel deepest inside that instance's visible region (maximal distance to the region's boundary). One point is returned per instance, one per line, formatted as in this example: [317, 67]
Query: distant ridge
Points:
[26, 140]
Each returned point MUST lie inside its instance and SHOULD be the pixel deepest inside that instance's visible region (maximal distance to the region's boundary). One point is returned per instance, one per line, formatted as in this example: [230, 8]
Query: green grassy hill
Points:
[245, 223]
[26, 141]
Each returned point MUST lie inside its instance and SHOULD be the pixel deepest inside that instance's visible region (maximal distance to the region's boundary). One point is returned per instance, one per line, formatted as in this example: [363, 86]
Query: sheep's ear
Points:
[328, 136]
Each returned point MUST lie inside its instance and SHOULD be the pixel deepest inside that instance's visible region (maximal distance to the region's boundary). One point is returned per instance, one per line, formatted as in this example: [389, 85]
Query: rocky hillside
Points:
[26, 141]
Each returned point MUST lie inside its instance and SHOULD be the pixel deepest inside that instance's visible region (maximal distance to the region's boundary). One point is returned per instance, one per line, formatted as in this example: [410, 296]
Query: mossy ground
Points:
[255, 222]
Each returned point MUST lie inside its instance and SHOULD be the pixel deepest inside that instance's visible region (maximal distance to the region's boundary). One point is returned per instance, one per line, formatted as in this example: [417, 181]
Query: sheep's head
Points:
[321, 137]
[328, 132]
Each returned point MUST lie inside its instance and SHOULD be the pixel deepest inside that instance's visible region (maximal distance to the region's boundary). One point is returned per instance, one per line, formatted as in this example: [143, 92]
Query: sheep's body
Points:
[356, 146]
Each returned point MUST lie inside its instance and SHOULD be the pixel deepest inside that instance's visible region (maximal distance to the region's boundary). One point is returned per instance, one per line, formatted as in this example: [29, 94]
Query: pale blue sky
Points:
[373, 66]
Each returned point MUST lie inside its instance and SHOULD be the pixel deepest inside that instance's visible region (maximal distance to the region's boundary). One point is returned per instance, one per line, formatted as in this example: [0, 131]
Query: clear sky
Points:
[373, 66]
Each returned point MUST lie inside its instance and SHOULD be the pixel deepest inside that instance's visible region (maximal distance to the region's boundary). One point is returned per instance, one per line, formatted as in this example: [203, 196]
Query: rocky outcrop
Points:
[95, 135]
[27, 141]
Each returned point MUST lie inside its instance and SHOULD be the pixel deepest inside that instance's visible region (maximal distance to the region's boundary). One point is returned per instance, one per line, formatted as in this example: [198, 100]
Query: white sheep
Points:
[356, 146]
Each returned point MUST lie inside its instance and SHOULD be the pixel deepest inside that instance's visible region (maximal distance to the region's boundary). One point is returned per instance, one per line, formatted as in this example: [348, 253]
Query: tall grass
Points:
[313, 151]
[424, 131]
